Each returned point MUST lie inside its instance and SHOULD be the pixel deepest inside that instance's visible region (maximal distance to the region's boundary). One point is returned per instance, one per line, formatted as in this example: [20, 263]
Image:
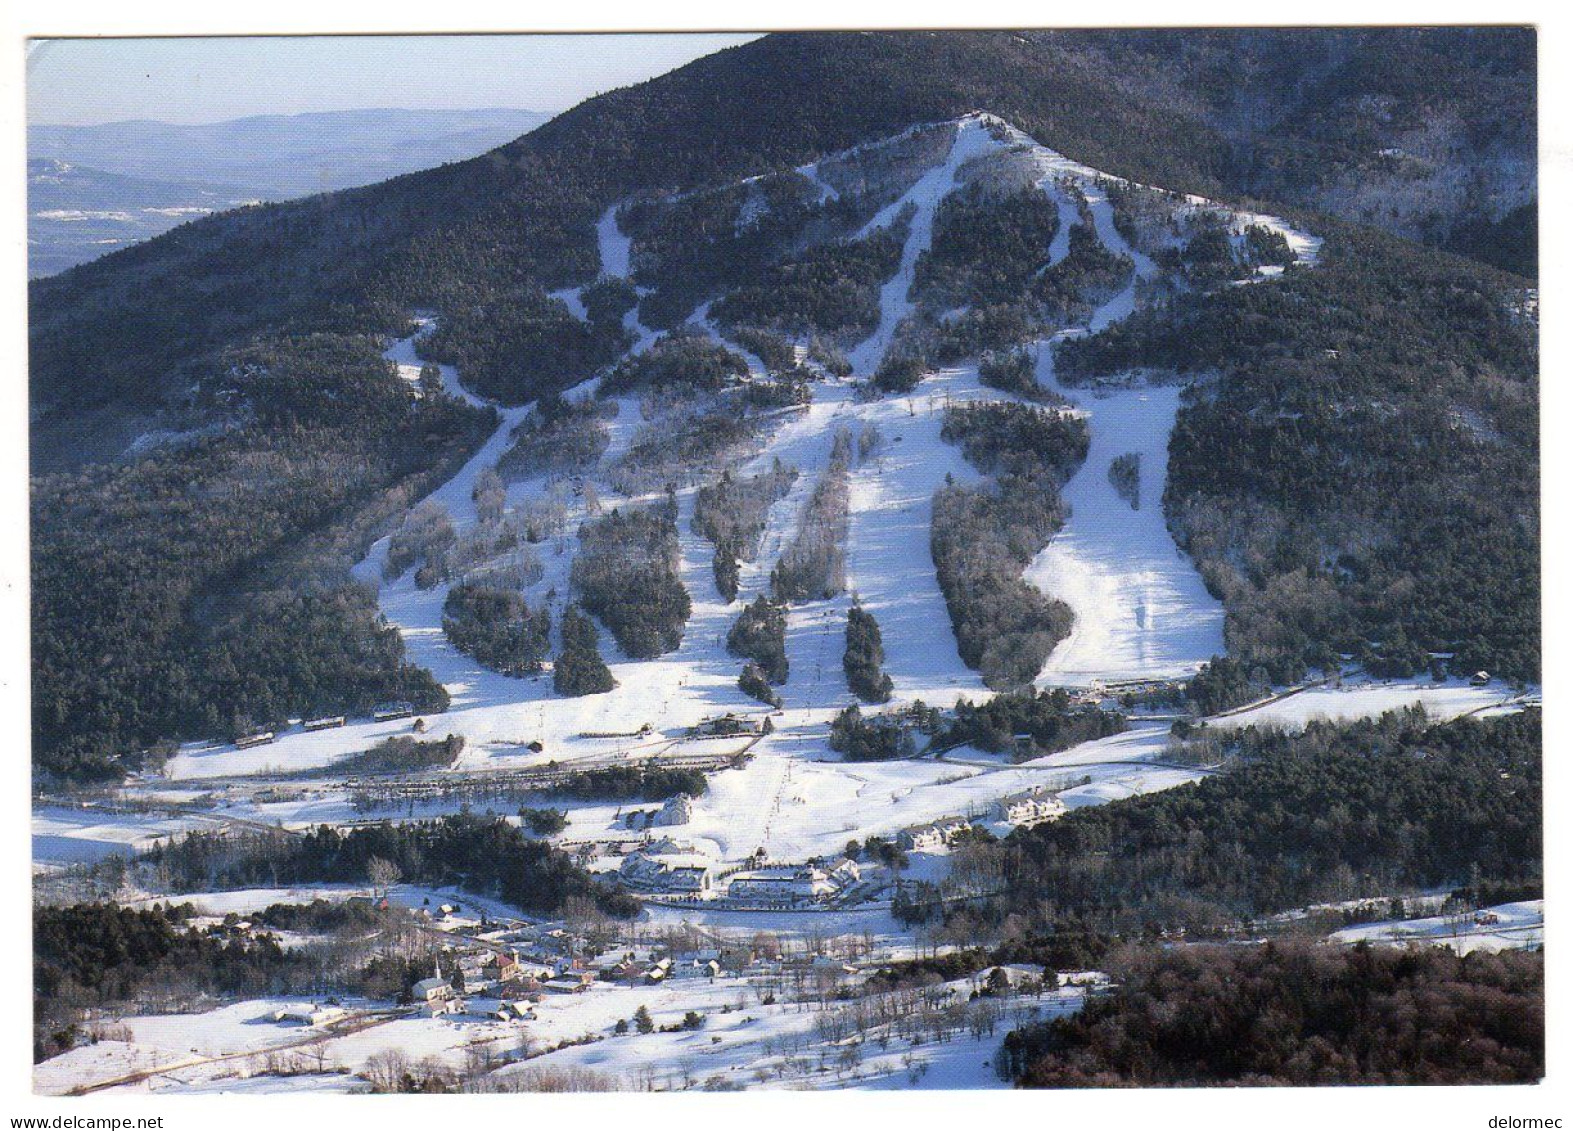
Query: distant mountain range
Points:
[94, 189]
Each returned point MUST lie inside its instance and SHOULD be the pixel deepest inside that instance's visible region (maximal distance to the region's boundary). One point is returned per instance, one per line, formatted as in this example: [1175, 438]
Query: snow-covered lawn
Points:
[742, 1042]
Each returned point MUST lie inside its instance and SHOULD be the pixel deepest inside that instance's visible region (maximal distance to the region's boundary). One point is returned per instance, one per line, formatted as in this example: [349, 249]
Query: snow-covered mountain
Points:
[844, 519]
[1140, 612]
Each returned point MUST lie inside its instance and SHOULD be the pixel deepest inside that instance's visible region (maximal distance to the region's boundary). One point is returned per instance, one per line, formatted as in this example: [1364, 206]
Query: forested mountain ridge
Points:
[256, 338]
[118, 331]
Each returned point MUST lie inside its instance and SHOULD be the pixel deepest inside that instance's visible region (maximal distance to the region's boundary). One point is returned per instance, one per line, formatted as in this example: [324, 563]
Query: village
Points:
[506, 998]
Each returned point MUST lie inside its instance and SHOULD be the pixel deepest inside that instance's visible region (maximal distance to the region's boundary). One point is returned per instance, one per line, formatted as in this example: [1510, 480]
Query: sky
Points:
[89, 81]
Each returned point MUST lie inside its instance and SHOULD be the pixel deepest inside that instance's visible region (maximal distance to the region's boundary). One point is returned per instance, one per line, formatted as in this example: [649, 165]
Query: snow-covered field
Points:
[1508, 926]
[1366, 698]
[63, 835]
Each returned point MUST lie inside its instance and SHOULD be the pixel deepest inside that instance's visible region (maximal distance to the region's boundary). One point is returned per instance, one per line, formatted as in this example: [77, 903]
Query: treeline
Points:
[1053, 297]
[987, 247]
[690, 246]
[96, 955]
[682, 361]
[400, 754]
[483, 855]
[731, 513]
[813, 567]
[1007, 439]
[982, 538]
[1338, 812]
[579, 669]
[1361, 476]
[759, 634]
[203, 589]
[684, 443]
[632, 783]
[1295, 1015]
[497, 628]
[1015, 371]
[871, 738]
[626, 574]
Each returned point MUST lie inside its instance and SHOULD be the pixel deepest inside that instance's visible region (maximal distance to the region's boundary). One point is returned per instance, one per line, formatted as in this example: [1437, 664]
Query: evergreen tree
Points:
[864, 657]
[753, 683]
[580, 669]
[759, 634]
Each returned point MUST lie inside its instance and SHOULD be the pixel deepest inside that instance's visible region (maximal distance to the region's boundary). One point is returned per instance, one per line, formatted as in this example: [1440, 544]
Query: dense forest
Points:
[864, 658]
[208, 582]
[558, 436]
[1296, 1014]
[498, 628]
[93, 955]
[579, 669]
[626, 574]
[1364, 809]
[519, 345]
[986, 249]
[1049, 720]
[871, 738]
[830, 290]
[759, 634]
[676, 363]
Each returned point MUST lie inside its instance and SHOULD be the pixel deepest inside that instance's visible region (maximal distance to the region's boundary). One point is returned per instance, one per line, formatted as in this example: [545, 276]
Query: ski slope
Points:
[972, 140]
[1140, 609]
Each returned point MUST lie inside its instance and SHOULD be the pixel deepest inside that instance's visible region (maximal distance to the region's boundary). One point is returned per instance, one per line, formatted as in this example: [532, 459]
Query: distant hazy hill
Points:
[93, 189]
[76, 213]
[286, 155]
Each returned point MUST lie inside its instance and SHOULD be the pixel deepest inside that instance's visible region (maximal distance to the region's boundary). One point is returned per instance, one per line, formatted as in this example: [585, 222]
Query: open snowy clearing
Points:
[76, 836]
[1369, 698]
[1507, 926]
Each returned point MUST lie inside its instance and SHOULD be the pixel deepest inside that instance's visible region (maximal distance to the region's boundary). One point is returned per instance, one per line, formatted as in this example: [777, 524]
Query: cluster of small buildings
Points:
[664, 867]
[1029, 807]
[677, 811]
